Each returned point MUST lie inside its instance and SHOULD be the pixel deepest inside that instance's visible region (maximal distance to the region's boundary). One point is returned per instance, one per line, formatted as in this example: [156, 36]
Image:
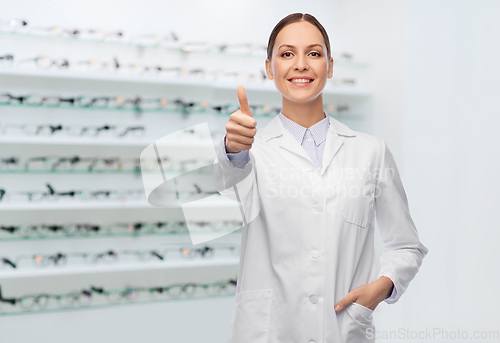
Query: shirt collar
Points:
[318, 130]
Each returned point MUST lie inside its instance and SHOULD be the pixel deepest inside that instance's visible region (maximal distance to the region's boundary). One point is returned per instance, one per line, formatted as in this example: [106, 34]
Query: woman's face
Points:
[299, 64]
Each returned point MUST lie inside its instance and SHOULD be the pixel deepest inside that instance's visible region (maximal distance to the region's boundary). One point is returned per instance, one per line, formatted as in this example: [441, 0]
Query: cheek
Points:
[321, 70]
[281, 70]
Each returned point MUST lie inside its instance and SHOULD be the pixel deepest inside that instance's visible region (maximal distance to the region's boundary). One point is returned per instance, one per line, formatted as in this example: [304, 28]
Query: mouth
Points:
[301, 80]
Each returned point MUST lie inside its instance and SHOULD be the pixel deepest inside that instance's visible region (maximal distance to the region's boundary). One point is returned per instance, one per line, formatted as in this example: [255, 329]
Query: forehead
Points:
[299, 34]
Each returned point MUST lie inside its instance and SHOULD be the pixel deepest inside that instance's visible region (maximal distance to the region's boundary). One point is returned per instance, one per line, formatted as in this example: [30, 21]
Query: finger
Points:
[244, 121]
[239, 146]
[239, 138]
[344, 302]
[242, 98]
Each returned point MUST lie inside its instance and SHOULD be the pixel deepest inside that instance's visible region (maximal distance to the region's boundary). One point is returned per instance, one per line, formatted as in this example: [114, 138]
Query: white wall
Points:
[435, 81]
[452, 148]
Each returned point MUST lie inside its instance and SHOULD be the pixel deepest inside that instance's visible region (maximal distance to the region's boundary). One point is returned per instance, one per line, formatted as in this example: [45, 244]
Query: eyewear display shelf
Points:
[38, 164]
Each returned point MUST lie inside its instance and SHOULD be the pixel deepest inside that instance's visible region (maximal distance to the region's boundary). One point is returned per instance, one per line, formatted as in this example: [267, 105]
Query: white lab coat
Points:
[310, 237]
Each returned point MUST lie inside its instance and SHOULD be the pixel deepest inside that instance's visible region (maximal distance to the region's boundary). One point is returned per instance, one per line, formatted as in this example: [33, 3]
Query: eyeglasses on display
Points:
[52, 195]
[114, 131]
[75, 230]
[100, 296]
[139, 103]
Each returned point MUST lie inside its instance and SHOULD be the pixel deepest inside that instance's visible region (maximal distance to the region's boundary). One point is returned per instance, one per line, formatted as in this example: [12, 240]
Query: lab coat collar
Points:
[294, 153]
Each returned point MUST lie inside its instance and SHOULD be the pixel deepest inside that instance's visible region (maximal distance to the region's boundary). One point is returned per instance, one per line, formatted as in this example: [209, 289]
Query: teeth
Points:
[301, 80]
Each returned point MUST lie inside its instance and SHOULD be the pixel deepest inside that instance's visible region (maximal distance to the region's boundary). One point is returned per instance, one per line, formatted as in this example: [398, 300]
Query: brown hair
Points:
[293, 18]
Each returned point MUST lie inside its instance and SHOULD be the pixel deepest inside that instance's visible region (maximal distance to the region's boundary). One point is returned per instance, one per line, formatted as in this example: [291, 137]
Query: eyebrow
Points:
[293, 46]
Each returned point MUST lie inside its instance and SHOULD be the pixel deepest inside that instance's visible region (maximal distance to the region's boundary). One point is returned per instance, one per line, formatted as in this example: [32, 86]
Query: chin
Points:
[302, 96]
[299, 95]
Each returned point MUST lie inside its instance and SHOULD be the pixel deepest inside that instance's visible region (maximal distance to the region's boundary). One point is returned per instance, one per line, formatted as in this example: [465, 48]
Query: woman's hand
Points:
[369, 295]
[240, 129]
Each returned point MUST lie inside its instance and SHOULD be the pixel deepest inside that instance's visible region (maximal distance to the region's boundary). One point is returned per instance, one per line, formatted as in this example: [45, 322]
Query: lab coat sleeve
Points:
[393, 294]
[238, 159]
[236, 180]
[229, 173]
[403, 252]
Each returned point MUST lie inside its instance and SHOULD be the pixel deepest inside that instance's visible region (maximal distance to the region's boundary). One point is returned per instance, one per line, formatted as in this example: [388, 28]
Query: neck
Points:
[305, 114]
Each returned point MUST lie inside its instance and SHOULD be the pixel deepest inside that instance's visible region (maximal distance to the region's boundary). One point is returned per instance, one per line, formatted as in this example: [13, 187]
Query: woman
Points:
[310, 189]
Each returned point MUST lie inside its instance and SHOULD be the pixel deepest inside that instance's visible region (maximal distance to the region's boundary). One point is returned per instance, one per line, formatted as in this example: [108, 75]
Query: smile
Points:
[301, 80]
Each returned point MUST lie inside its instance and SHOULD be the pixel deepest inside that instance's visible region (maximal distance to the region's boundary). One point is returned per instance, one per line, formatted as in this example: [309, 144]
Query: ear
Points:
[269, 70]
[330, 68]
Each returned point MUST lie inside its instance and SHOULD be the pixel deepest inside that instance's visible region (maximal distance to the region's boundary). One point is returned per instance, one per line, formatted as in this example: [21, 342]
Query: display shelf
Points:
[105, 216]
[97, 172]
[117, 267]
[165, 111]
[54, 206]
[207, 111]
[117, 109]
[26, 139]
[181, 49]
[15, 238]
[122, 303]
[185, 143]
[267, 86]
[211, 202]
[185, 48]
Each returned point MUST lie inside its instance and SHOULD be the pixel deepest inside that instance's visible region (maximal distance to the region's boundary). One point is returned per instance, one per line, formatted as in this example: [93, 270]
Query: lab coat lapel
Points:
[295, 153]
[287, 146]
[284, 142]
[334, 141]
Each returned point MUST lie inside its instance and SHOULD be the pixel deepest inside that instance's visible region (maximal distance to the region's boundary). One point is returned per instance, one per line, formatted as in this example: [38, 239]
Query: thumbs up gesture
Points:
[240, 129]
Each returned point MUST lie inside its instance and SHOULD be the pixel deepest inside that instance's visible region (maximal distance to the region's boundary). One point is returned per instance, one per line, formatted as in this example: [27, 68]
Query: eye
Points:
[317, 53]
[286, 54]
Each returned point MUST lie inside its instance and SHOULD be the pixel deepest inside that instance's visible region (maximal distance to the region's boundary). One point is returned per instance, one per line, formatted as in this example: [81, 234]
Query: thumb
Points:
[344, 302]
[242, 98]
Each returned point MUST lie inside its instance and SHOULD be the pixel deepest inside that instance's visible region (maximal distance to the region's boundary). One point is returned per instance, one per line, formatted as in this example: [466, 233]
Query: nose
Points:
[301, 64]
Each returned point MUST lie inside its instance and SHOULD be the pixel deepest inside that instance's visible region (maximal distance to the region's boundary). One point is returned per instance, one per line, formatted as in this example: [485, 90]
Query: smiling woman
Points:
[306, 269]
[299, 61]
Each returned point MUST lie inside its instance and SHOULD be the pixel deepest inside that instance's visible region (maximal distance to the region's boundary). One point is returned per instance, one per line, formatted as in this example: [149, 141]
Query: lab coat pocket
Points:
[251, 315]
[358, 201]
[358, 326]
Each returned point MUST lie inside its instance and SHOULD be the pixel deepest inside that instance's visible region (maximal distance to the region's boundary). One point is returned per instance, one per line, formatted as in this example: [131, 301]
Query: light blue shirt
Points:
[312, 140]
